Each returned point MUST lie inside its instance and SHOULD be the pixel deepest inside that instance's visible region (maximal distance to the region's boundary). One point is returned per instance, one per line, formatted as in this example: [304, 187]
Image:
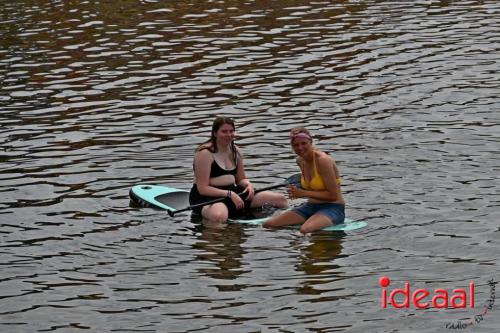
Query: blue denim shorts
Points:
[335, 212]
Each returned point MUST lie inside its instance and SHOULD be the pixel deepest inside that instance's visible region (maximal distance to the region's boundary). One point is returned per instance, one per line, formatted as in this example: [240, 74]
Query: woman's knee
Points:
[273, 199]
[269, 223]
[306, 229]
[281, 201]
[217, 213]
[315, 224]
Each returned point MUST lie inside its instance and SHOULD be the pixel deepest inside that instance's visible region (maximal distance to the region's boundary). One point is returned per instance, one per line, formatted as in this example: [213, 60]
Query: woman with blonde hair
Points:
[320, 184]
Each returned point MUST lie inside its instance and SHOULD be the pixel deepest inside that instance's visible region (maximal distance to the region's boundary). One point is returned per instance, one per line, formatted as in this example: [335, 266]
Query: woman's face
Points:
[302, 146]
[225, 134]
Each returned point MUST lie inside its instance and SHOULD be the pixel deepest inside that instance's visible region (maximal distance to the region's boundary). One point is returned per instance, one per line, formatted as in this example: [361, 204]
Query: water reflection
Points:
[318, 256]
[220, 252]
[225, 253]
[317, 263]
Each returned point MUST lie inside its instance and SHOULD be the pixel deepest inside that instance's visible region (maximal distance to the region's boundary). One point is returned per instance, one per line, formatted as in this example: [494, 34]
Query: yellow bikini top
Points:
[316, 183]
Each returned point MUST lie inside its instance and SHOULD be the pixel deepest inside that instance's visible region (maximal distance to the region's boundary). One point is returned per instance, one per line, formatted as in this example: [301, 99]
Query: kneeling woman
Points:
[219, 172]
[320, 183]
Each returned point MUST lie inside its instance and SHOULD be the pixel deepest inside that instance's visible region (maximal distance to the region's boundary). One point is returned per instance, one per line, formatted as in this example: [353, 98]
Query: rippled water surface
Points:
[98, 96]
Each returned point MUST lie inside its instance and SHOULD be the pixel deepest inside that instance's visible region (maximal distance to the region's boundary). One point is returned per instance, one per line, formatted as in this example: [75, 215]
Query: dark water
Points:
[98, 96]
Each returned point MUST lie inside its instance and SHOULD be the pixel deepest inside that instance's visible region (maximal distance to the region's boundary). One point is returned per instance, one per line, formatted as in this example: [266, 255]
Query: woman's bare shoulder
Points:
[203, 153]
[322, 156]
[325, 160]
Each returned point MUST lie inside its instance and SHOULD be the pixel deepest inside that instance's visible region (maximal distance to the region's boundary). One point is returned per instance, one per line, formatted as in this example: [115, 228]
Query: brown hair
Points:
[211, 144]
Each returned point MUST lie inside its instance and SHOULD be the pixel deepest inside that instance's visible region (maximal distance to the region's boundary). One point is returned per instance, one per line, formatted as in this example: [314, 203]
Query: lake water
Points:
[96, 97]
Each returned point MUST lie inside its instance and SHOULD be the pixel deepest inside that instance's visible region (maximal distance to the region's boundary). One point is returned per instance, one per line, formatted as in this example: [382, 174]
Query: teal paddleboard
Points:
[346, 226]
[171, 198]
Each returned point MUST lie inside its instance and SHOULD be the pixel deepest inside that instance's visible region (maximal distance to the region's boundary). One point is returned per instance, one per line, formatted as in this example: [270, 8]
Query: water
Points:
[98, 96]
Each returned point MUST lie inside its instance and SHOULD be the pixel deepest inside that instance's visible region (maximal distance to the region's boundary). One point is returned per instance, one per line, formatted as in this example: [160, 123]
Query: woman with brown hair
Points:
[219, 172]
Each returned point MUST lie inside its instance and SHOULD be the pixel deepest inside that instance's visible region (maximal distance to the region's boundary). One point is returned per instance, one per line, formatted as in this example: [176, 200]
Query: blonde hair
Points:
[300, 132]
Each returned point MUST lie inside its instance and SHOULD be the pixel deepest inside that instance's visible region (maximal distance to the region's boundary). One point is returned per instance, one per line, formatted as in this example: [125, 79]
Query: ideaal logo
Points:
[440, 298]
[421, 298]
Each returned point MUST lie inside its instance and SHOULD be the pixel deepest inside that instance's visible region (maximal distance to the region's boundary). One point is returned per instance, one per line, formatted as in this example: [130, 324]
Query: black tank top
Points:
[216, 170]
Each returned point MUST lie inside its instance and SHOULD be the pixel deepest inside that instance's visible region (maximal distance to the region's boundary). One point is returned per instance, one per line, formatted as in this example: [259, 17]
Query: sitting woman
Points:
[320, 184]
[219, 173]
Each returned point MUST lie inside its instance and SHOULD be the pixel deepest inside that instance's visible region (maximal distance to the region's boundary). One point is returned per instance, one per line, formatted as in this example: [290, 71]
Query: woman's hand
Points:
[238, 202]
[251, 192]
[295, 192]
[248, 189]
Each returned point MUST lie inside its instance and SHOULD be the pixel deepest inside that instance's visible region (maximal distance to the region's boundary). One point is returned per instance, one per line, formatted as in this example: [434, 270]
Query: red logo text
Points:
[422, 298]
